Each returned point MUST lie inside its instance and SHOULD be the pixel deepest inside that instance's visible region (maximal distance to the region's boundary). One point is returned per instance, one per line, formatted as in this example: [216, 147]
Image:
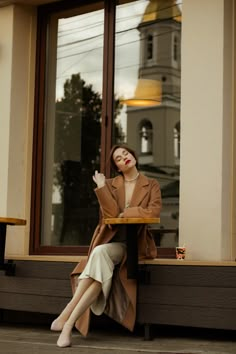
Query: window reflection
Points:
[177, 143]
[146, 137]
[149, 46]
[73, 127]
[148, 40]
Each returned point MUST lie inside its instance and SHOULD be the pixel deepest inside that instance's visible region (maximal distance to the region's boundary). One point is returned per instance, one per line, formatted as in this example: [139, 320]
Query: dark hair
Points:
[122, 146]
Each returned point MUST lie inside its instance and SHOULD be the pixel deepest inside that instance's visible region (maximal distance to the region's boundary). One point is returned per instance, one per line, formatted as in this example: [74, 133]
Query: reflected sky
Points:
[80, 49]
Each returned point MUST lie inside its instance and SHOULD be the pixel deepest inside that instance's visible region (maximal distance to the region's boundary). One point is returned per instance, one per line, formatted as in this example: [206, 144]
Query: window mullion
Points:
[108, 84]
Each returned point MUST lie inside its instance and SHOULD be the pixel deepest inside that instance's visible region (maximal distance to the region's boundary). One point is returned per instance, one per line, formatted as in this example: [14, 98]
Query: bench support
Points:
[148, 331]
[8, 266]
[3, 228]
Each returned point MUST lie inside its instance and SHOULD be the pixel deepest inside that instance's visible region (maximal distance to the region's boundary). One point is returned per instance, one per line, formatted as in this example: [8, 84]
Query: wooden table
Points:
[132, 225]
[9, 267]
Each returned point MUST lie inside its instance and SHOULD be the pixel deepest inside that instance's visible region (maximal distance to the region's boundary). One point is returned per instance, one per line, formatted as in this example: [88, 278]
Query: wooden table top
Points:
[111, 221]
[12, 221]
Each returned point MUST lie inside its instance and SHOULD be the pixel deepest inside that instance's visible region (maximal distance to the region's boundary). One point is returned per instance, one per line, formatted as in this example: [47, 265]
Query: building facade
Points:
[65, 68]
[206, 110]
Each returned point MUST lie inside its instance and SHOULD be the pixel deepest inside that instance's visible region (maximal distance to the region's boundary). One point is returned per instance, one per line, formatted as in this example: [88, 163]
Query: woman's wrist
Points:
[99, 179]
[100, 185]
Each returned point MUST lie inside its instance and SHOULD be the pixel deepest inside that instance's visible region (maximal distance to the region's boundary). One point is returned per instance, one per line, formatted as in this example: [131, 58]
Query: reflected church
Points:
[154, 131]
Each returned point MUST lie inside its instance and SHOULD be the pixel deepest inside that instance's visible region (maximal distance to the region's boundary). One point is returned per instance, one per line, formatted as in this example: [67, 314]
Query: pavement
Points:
[19, 339]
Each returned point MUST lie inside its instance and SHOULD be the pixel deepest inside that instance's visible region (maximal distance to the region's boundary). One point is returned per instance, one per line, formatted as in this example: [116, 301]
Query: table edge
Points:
[12, 221]
[110, 221]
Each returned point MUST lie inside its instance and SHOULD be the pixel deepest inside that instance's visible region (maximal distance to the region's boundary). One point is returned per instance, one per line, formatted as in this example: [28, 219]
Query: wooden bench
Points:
[186, 293]
[8, 266]
[170, 292]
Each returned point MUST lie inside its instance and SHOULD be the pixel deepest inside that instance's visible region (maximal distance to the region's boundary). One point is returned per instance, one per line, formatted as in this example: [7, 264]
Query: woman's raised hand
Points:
[99, 179]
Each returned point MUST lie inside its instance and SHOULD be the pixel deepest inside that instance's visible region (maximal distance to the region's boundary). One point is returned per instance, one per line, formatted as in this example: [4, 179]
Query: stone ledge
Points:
[159, 261]
[45, 258]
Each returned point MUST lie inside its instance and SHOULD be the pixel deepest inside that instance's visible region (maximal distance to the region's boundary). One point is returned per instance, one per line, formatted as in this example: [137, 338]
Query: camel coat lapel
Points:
[118, 188]
[140, 191]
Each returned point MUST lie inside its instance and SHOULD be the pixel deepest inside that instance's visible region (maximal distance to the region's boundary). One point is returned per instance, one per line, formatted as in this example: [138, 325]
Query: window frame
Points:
[44, 12]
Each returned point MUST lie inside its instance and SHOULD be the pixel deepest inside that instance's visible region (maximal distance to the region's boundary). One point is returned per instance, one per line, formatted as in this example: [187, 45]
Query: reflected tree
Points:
[77, 155]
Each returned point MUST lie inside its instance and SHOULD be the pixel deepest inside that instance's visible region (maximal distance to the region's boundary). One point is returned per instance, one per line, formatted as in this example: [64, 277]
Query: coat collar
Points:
[140, 190]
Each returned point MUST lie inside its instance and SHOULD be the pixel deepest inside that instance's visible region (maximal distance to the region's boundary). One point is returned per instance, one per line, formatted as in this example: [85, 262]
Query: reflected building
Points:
[154, 131]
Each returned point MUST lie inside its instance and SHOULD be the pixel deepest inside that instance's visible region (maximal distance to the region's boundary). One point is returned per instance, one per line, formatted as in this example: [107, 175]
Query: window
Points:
[177, 143]
[175, 48]
[149, 47]
[146, 133]
[68, 124]
[88, 60]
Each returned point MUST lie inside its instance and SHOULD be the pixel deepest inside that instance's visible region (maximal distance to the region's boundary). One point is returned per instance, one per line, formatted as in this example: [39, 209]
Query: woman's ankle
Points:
[64, 339]
[58, 324]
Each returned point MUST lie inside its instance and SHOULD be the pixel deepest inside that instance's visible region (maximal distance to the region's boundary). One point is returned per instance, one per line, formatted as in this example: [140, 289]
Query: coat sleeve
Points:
[153, 207]
[107, 202]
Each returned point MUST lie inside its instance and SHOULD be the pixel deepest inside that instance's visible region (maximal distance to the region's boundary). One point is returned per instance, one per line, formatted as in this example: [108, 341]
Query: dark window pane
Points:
[146, 33]
[72, 127]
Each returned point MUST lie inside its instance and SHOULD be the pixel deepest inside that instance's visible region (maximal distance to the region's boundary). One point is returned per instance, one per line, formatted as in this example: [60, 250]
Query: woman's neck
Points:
[131, 175]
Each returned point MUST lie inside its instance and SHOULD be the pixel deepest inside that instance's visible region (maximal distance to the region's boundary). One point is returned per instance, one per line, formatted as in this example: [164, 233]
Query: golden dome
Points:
[161, 10]
[148, 93]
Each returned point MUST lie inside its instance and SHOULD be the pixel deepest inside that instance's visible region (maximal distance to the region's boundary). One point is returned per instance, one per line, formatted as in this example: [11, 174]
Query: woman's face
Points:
[123, 159]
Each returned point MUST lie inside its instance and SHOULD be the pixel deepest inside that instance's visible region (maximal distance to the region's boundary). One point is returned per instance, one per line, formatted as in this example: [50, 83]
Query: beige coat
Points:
[145, 202]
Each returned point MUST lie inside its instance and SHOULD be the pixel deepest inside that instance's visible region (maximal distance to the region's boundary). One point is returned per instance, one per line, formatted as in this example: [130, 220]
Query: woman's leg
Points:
[87, 292]
[86, 300]
[58, 323]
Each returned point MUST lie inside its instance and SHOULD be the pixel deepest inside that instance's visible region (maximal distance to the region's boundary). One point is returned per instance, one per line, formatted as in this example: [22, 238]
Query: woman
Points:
[101, 283]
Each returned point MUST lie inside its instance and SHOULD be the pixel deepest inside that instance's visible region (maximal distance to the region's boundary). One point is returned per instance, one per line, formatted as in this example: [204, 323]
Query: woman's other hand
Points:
[99, 179]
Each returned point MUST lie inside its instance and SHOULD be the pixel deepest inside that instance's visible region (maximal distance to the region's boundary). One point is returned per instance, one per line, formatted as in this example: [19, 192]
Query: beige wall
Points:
[6, 34]
[17, 38]
[206, 129]
[206, 126]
